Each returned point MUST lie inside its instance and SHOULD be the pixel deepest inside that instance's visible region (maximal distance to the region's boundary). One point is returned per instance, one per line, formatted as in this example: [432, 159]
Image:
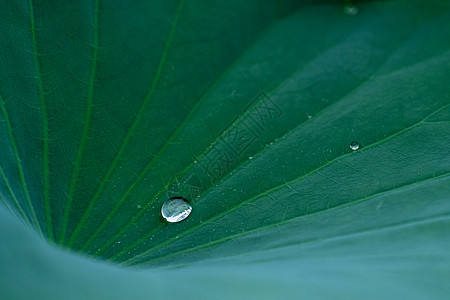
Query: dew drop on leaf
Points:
[351, 10]
[354, 145]
[176, 210]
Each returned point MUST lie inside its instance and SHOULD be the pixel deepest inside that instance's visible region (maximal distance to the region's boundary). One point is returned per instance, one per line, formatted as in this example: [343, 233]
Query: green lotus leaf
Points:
[310, 138]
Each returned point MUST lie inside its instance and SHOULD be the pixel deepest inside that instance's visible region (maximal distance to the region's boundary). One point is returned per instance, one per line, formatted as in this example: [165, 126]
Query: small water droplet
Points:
[176, 210]
[195, 161]
[354, 145]
[138, 206]
[250, 157]
[309, 116]
[351, 10]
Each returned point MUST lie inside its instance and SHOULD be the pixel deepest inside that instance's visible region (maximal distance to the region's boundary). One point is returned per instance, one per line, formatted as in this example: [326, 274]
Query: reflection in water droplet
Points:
[351, 10]
[250, 157]
[354, 145]
[176, 210]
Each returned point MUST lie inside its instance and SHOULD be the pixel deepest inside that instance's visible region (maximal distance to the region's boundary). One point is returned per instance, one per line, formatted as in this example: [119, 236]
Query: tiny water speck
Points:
[354, 146]
[176, 210]
[250, 157]
[351, 10]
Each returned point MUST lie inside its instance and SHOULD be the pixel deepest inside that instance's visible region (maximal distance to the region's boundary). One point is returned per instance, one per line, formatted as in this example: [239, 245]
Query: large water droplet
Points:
[176, 210]
[354, 145]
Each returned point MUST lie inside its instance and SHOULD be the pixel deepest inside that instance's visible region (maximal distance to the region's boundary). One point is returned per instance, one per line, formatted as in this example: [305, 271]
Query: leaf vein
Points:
[211, 243]
[85, 132]
[133, 127]
[45, 140]
[276, 188]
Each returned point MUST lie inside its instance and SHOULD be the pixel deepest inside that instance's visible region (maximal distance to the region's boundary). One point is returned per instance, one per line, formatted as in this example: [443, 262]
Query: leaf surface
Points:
[246, 110]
